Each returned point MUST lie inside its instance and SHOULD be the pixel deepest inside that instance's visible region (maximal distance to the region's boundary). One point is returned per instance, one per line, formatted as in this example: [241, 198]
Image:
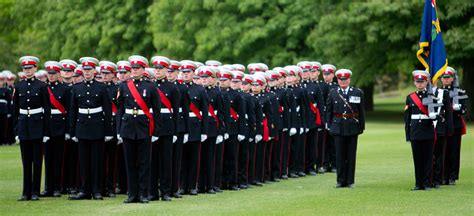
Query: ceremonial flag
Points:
[431, 51]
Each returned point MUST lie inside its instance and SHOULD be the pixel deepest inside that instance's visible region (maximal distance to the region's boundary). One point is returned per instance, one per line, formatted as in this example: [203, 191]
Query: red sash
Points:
[195, 110]
[316, 112]
[165, 100]
[266, 133]
[463, 130]
[141, 103]
[418, 103]
[114, 108]
[234, 114]
[280, 109]
[213, 114]
[55, 102]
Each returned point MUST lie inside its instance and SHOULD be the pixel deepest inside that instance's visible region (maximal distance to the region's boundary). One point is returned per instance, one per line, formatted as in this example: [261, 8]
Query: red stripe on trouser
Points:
[281, 153]
[264, 158]
[198, 163]
[304, 153]
[115, 168]
[324, 147]
[62, 166]
[270, 161]
[289, 155]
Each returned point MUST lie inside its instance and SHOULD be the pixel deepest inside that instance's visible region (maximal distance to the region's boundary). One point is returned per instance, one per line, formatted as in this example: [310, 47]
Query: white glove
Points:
[226, 136]
[203, 137]
[269, 138]
[17, 139]
[306, 130]
[108, 138]
[285, 129]
[67, 136]
[45, 139]
[175, 138]
[301, 130]
[154, 138]
[457, 107]
[185, 138]
[432, 115]
[75, 139]
[219, 139]
[119, 139]
[250, 139]
[240, 137]
[327, 126]
[9, 115]
[292, 131]
[258, 138]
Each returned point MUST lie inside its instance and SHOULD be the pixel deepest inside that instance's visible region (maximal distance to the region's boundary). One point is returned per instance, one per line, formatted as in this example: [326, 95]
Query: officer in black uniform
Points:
[90, 116]
[345, 121]
[5, 112]
[247, 146]
[137, 120]
[420, 130]
[59, 95]
[183, 127]
[444, 129]
[31, 119]
[162, 149]
[328, 155]
[453, 145]
[108, 70]
[198, 128]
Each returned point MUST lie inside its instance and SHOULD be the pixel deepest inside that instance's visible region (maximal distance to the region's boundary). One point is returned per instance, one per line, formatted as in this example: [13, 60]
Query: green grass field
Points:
[384, 176]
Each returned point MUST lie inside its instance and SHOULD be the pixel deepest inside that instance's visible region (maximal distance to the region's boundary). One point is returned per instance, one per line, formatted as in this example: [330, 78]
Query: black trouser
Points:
[190, 165]
[438, 166]
[311, 150]
[121, 170]
[346, 149]
[207, 169]
[32, 159]
[252, 162]
[53, 163]
[297, 153]
[161, 157]
[452, 156]
[276, 157]
[218, 163]
[231, 155]
[285, 152]
[243, 161]
[3, 129]
[321, 148]
[260, 161]
[330, 152]
[71, 166]
[137, 161]
[423, 159]
[176, 163]
[91, 158]
[110, 166]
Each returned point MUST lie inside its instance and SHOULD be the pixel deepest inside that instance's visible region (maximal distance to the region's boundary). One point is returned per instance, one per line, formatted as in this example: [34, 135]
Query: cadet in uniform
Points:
[345, 121]
[31, 119]
[328, 155]
[420, 131]
[137, 115]
[247, 146]
[59, 96]
[5, 112]
[90, 116]
[162, 149]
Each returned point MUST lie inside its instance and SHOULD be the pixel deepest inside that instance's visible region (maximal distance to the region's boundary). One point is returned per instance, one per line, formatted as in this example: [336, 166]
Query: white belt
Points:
[55, 111]
[419, 116]
[215, 113]
[3, 101]
[136, 111]
[166, 110]
[246, 116]
[191, 114]
[90, 110]
[31, 111]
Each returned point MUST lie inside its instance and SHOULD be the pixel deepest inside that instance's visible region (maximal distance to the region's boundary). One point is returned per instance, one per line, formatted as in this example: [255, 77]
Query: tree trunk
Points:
[467, 80]
[369, 96]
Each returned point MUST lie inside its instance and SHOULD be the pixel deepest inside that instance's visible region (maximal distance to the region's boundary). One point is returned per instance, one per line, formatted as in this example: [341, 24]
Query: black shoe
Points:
[143, 200]
[351, 186]
[285, 177]
[416, 188]
[259, 184]
[193, 192]
[334, 170]
[57, 194]
[98, 196]
[243, 186]
[130, 200]
[211, 191]
[452, 182]
[166, 198]
[427, 188]
[437, 186]
[274, 180]
[72, 192]
[321, 170]
[234, 188]
[153, 198]
[292, 175]
[46, 194]
[301, 174]
[34, 198]
[80, 196]
[217, 190]
[177, 195]
[23, 198]
[112, 195]
[338, 185]
[312, 173]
